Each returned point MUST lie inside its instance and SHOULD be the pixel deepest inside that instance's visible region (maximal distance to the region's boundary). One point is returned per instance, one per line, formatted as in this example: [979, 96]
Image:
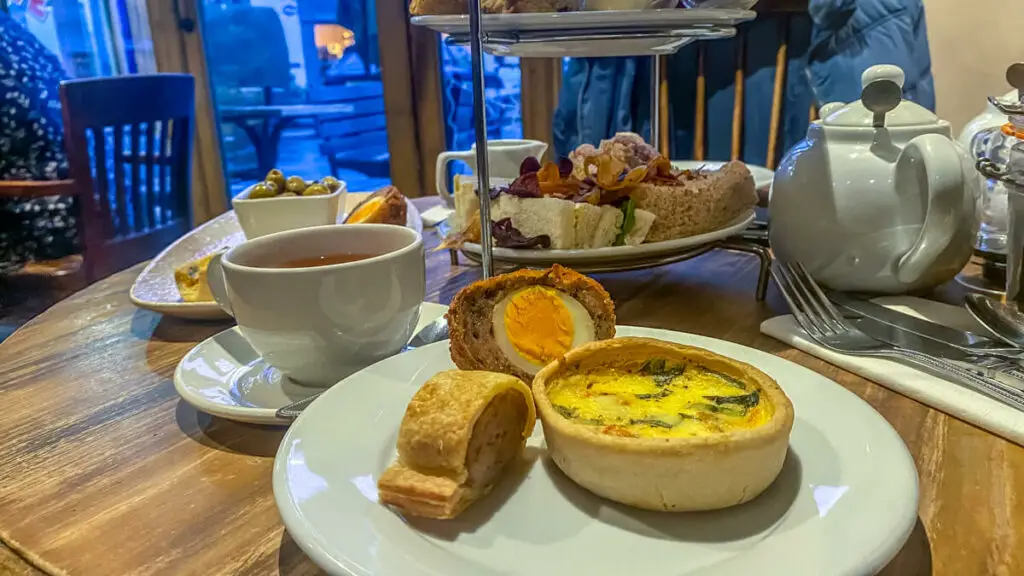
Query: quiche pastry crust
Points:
[706, 472]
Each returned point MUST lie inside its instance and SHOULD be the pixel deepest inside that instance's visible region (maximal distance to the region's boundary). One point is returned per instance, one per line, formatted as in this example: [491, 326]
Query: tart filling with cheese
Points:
[663, 426]
[659, 399]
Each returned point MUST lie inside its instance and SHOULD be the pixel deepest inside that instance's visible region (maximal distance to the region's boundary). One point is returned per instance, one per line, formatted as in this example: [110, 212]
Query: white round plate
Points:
[845, 502]
[617, 254]
[225, 377]
[663, 19]
[573, 47]
[155, 290]
[762, 176]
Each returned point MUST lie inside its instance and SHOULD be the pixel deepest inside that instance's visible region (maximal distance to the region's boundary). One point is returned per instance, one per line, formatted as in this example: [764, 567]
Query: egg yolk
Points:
[366, 210]
[538, 324]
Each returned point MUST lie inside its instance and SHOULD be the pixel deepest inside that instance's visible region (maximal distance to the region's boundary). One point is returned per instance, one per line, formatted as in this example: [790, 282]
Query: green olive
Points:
[277, 177]
[316, 189]
[295, 184]
[289, 194]
[332, 183]
[263, 190]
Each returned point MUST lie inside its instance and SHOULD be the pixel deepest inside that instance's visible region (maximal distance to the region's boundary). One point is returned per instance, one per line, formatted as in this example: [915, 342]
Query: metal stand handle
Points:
[476, 40]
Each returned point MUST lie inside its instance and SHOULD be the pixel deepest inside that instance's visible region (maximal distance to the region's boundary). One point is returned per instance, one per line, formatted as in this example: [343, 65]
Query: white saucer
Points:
[225, 377]
[762, 176]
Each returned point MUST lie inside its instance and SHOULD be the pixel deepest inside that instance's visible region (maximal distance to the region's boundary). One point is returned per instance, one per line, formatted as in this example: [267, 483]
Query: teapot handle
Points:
[931, 165]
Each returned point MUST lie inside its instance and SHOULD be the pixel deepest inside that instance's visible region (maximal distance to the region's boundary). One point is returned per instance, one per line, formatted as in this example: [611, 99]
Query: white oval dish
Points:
[154, 289]
[845, 502]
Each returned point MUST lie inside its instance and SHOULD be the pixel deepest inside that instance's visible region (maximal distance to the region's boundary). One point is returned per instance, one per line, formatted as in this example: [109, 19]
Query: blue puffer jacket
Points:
[828, 49]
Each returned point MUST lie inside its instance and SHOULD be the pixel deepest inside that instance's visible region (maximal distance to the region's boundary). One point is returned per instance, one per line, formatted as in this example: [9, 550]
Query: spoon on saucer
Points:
[433, 332]
[1006, 322]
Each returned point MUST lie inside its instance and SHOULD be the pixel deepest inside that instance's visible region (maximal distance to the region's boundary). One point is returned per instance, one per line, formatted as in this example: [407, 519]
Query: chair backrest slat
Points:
[147, 203]
[138, 194]
[739, 121]
[181, 147]
[739, 82]
[701, 112]
[152, 206]
[778, 92]
[120, 214]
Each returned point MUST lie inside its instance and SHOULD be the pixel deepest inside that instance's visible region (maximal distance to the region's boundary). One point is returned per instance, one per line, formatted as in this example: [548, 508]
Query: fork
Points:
[823, 323]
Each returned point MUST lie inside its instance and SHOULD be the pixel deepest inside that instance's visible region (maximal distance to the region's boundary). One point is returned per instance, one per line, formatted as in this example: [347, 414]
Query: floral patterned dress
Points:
[32, 148]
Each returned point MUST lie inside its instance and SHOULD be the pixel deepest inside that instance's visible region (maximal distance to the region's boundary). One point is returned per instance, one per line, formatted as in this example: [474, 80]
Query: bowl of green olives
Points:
[281, 202]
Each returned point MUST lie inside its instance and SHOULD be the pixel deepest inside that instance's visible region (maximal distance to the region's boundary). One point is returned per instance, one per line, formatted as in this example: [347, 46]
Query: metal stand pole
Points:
[476, 40]
[656, 103]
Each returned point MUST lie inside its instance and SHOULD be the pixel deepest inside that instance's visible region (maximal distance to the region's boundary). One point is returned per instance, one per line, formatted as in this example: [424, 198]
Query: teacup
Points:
[321, 303]
[503, 160]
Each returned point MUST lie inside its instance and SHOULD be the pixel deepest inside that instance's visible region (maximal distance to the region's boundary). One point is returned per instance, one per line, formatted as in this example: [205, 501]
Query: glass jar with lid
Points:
[1000, 153]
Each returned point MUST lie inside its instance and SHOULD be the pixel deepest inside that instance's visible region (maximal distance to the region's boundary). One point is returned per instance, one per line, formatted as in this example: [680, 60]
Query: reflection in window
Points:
[307, 71]
[501, 92]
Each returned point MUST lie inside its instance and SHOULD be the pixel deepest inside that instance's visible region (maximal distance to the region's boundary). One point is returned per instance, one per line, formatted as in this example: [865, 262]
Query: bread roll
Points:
[460, 432]
[697, 206]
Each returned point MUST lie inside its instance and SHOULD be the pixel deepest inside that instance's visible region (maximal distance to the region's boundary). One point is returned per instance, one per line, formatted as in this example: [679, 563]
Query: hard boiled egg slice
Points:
[538, 324]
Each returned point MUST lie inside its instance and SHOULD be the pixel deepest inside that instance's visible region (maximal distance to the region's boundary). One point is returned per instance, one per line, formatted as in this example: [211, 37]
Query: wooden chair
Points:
[783, 10]
[356, 141]
[129, 144]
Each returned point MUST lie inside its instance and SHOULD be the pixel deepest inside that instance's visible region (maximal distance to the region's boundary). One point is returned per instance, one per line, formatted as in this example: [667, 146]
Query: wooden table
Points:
[105, 471]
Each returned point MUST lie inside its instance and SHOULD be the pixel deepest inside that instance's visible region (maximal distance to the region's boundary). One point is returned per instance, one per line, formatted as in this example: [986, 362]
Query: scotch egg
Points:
[385, 206]
[538, 324]
[519, 322]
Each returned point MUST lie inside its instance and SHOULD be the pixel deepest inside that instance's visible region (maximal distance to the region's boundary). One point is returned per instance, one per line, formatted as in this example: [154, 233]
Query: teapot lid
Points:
[881, 103]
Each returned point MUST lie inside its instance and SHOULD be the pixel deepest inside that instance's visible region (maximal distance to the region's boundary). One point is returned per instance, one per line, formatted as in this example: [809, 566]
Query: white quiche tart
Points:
[663, 426]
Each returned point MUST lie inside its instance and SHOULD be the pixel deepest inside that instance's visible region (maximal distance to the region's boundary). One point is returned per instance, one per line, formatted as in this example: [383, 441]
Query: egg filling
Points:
[538, 324]
[660, 400]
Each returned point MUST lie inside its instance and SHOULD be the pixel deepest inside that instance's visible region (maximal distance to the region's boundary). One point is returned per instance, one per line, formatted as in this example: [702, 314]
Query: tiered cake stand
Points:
[579, 34]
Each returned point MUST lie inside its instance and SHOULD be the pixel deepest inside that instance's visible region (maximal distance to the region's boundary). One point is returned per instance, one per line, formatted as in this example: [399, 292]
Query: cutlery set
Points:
[854, 326]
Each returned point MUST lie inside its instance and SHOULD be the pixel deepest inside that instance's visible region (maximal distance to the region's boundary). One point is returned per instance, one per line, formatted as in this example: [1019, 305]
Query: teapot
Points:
[878, 197]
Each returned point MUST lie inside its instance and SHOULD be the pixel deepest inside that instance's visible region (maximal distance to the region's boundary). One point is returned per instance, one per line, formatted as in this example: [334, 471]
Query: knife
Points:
[910, 341]
[966, 341]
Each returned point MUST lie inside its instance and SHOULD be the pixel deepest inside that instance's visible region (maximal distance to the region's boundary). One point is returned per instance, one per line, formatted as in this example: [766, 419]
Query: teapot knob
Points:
[888, 72]
[1015, 75]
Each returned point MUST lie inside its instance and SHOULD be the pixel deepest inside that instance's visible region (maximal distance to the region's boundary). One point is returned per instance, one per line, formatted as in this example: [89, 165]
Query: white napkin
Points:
[428, 313]
[435, 215]
[948, 397]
